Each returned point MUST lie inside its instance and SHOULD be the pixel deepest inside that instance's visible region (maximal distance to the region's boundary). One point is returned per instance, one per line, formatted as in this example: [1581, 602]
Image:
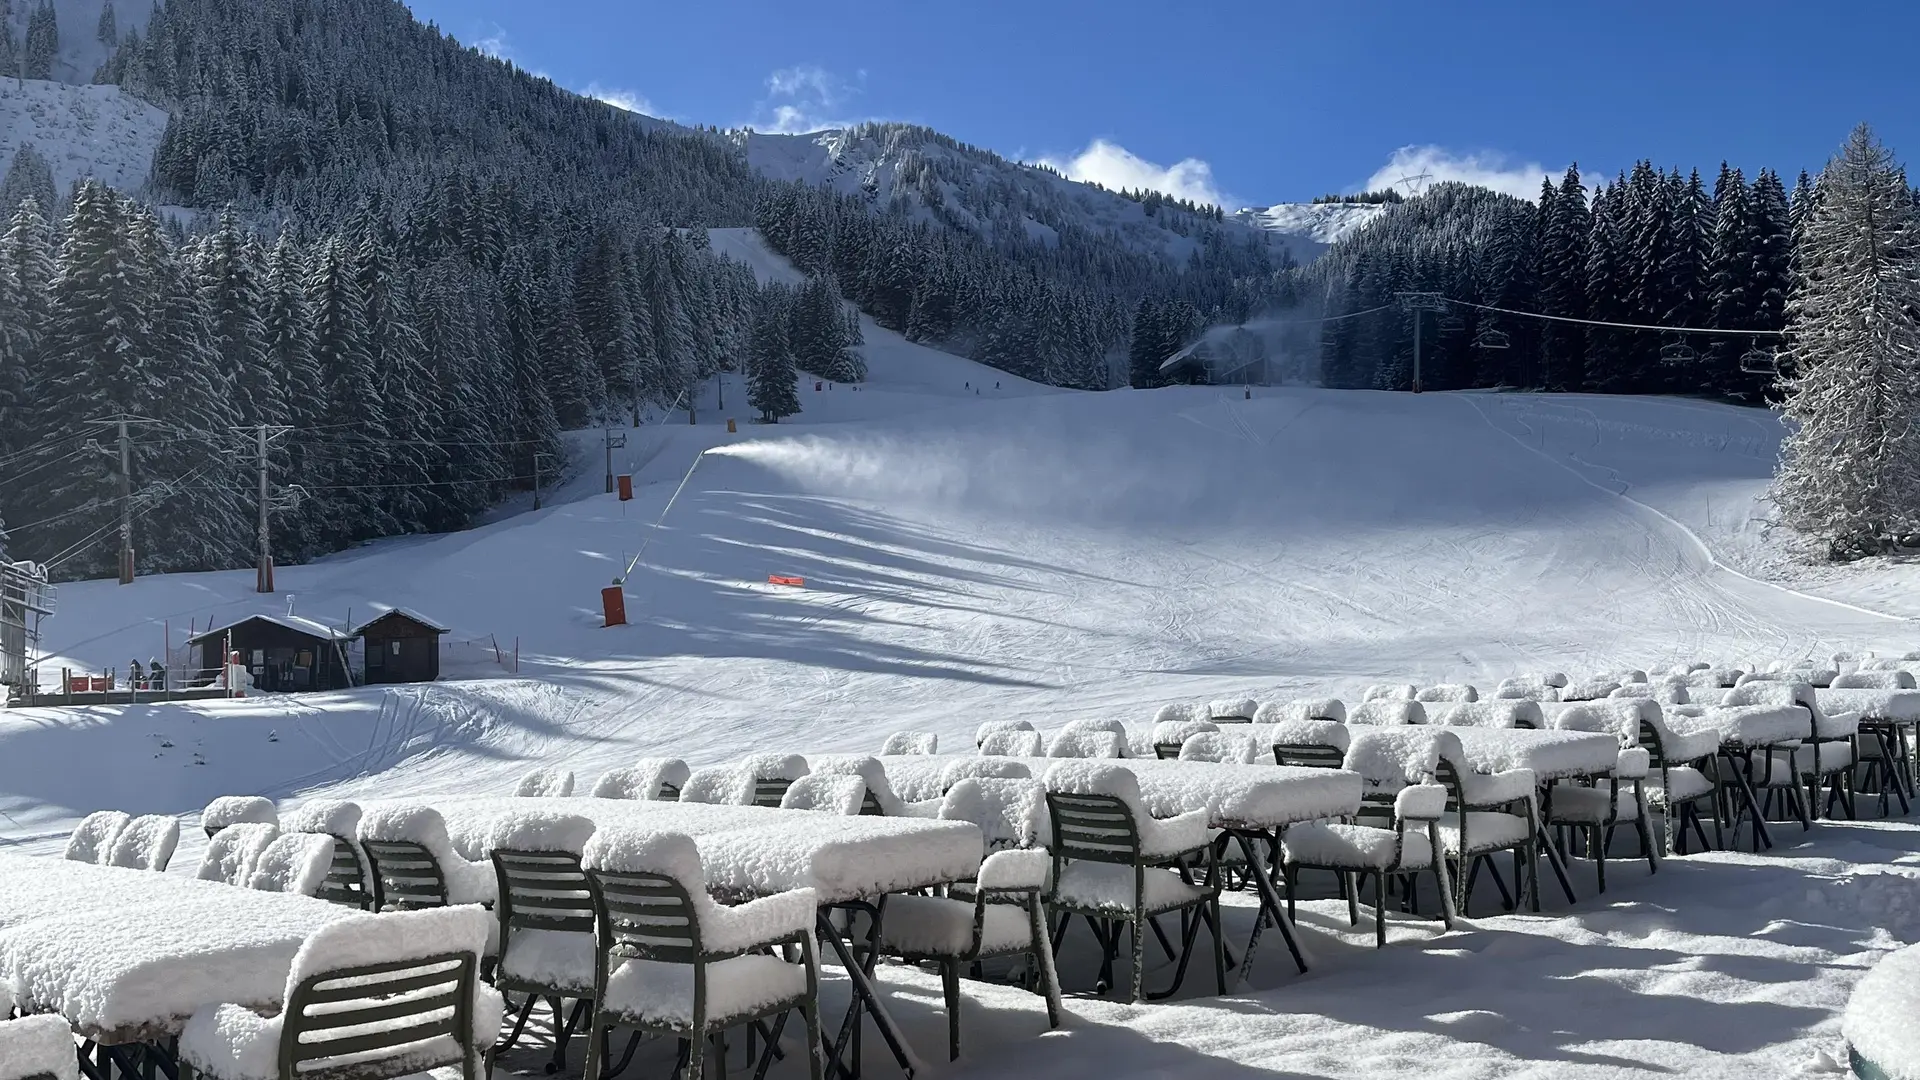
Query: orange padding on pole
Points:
[780, 579]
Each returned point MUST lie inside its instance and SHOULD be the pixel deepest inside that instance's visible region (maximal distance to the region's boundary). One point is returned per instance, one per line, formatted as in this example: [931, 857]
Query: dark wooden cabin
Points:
[402, 647]
[284, 653]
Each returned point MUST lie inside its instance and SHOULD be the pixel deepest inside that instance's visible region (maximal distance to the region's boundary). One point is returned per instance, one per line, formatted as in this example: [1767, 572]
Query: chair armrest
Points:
[1490, 789]
[1016, 869]
[1421, 802]
[1633, 764]
[765, 921]
[1175, 835]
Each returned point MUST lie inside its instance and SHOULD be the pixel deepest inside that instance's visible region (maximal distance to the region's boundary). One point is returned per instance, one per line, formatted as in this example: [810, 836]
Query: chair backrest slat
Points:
[1098, 828]
[406, 876]
[329, 1014]
[542, 890]
[1307, 756]
[646, 916]
[346, 881]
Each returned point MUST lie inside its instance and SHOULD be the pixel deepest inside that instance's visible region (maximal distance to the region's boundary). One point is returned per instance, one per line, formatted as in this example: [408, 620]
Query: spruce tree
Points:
[1563, 282]
[29, 176]
[43, 42]
[1730, 282]
[1850, 466]
[1772, 261]
[770, 371]
[297, 393]
[107, 30]
[9, 52]
[347, 503]
[231, 276]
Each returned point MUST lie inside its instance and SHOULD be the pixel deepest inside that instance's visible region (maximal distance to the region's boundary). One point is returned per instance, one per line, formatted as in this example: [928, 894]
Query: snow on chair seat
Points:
[92, 839]
[1221, 748]
[232, 851]
[1183, 710]
[237, 810]
[1523, 689]
[1387, 712]
[826, 794]
[1167, 735]
[37, 1048]
[982, 768]
[1086, 743]
[146, 843]
[549, 783]
[1448, 692]
[369, 997]
[1280, 712]
[992, 726]
[721, 784]
[295, 863]
[347, 877]
[772, 774]
[413, 863]
[673, 961]
[911, 742]
[1013, 744]
[1490, 713]
[648, 779]
[1390, 692]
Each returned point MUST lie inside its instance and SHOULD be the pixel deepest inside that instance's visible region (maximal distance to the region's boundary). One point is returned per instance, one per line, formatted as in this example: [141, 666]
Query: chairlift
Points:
[1677, 351]
[1758, 361]
[1491, 339]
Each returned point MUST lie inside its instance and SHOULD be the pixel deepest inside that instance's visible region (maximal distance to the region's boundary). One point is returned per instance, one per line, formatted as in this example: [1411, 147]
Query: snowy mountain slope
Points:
[1315, 226]
[81, 52]
[967, 188]
[98, 131]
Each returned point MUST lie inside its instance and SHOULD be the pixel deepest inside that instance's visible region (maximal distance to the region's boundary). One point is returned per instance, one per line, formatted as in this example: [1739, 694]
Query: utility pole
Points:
[121, 424]
[614, 442]
[263, 573]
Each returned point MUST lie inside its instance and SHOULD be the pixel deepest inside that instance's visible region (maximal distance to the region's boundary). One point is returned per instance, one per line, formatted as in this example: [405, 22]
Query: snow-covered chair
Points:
[993, 726]
[1714, 678]
[911, 742]
[1220, 747]
[413, 865]
[369, 997]
[232, 851]
[1526, 689]
[1279, 712]
[92, 839]
[1595, 806]
[238, 810]
[545, 914]
[1447, 692]
[38, 1048]
[726, 785]
[1490, 713]
[648, 779]
[1167, 735]
[772, 775]
[1824, 760]
[1665, 693]
[1087, 744]
[982, 768]
[1013, 744]
[294, 863]
[146, 843]
[1390, 692]
[998, 914]
[1395, 833]
[1897, 679]
[1183, 710]
[1387, 712]
[826, 794]
[879, 798]
[674, 962]
[1113, 862]
[347, 875]
[1589, 689]
[1682, 778]
[1232, 710]
[1309, 744]
[551, 783]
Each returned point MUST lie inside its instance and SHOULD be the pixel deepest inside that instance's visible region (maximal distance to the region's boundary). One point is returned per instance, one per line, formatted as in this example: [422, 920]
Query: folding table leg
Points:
[865, 996]
[1270, 908]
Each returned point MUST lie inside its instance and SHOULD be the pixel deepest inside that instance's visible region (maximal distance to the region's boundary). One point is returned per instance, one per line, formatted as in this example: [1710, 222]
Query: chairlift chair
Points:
[1757, 361]
[1677, 351]
[1491, 339]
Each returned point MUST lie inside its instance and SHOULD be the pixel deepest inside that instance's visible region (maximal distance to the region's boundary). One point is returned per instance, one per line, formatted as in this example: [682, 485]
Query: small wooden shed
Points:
[402, 647]
[284, 653]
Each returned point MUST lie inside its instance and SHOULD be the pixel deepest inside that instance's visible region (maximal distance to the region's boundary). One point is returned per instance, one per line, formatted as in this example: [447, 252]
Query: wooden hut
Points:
[284, 653]
[402, 647]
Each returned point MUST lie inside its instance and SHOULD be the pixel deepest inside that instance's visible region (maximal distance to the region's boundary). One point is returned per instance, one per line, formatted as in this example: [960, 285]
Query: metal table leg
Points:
[865, 997]
[1743, 785]
[1271, 908]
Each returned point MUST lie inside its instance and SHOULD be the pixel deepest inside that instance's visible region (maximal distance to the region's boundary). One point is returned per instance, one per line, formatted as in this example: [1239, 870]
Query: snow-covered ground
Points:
[1051, 555]
[97, 131]
[1315, 225]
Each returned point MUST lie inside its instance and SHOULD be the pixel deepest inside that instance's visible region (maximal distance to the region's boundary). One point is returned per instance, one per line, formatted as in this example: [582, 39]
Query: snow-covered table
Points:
[1263, 797]
[1886, 716]
[1747, 732]
[1551, 754]
[127, 955]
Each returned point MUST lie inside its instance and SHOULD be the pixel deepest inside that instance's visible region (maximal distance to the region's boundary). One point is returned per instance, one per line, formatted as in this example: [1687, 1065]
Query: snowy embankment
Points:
[98, 131]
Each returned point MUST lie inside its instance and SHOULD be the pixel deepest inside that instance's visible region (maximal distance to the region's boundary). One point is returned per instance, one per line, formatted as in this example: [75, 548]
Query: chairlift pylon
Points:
[1677, 351]
[1758, 361]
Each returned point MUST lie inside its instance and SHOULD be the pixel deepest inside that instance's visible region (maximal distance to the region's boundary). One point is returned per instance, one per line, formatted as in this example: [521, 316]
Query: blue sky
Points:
[1254, 103]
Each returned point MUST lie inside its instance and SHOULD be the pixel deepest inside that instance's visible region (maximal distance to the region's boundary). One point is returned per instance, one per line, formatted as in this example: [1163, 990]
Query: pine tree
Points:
[297, 392]
[1730, 284]
[230, 271]
[1563, 281]
[347, 505]
[1850, 466]
[29, 176]
[9, 54]
[26, 279]
[43, 42]
[1772, 258]
[107, 30]
[770, 370]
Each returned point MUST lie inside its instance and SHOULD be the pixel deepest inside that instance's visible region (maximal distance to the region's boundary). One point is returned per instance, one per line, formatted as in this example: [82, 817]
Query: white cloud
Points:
[1114, 166]
[495, 44]
[1487, 168]
[620, 98]
[806, 97]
